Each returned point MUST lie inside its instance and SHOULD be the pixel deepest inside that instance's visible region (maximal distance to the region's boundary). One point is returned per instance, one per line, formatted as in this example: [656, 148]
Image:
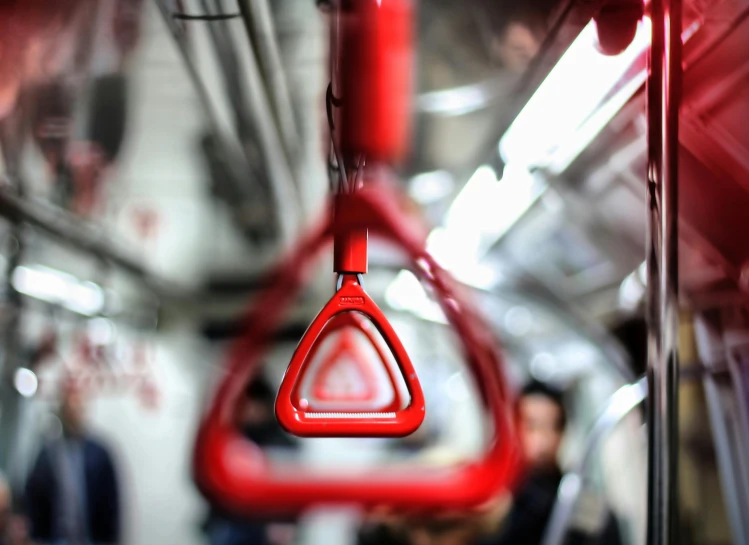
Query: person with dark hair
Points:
[254, 417]
[541, 420]
[517, 520]
[520, 30]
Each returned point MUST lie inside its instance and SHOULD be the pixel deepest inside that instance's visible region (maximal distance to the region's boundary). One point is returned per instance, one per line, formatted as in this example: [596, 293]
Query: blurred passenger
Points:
[13, 527]
[524, 518]
[520, 39]
[255, 417]
[520, 520]
[387, 528]
[541, 422]
[72, 493]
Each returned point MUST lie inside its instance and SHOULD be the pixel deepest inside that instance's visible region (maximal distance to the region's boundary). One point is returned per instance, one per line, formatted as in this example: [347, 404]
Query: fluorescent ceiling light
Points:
[631, 292]
[569, 150]
[544, 366]
[406, 293]
[518, 321]
[567, 98]
[25, 382]
[431, 187]
[59, 288]
[481, 213]
[461, 100]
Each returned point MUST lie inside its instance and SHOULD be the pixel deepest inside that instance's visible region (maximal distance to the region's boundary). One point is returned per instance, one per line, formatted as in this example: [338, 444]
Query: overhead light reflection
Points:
[25, 382]
[59, 288]
[543, 366]
[431, 187]
[518, 321]
[481, 213]
[569, 96]
[632, 288]
[456, 387]
[406, 293]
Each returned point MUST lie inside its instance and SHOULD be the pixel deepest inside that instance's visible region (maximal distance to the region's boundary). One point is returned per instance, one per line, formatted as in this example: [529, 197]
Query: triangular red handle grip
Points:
[356, 321]
[231, 471]
[346, 346]
[350, 297]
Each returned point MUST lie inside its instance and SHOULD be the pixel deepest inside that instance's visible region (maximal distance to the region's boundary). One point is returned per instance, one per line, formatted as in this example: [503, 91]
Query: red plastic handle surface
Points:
[227, 467]
[305, 423]
[346, 347]
[342, 322]
[376, 51]
[350, 252]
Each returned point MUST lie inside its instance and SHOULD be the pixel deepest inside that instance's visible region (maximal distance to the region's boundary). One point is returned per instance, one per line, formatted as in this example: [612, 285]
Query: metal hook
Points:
[330, 101]
[339, 282]
[219, 17]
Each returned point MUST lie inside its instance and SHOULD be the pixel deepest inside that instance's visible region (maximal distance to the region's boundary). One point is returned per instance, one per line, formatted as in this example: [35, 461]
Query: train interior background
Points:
[528, 160]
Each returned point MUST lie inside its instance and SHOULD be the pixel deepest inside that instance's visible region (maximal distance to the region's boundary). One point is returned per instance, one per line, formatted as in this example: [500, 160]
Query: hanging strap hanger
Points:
[342, 322]
[346, 351]
[375, 52]
[350, 262]
[233, 472]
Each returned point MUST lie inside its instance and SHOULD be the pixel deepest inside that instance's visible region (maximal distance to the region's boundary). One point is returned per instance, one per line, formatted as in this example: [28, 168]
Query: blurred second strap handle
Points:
[354, 215]
[234, 472]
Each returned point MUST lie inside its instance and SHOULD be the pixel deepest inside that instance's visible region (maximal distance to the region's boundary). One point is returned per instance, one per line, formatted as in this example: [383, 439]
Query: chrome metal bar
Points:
[622, 403]
[738, 387]
[663, 98]
[211, 117]
[81, 236]
[258, 21]
[11, 326]
[283, 189]
[727, 454]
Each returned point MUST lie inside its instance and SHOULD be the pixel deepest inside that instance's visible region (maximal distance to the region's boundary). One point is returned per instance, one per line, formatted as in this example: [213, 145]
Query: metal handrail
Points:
[622, 403]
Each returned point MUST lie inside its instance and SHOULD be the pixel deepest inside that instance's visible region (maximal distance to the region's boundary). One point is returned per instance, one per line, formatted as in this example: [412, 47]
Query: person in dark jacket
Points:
[517, 520]
[541, 422]
[72, 492]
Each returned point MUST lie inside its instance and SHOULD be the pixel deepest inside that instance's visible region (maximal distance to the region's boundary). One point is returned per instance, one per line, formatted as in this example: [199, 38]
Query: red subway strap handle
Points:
[231, 472]
[349, 248]
[306, 423]
[344, 321]
[376, 78]
[346, 347]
